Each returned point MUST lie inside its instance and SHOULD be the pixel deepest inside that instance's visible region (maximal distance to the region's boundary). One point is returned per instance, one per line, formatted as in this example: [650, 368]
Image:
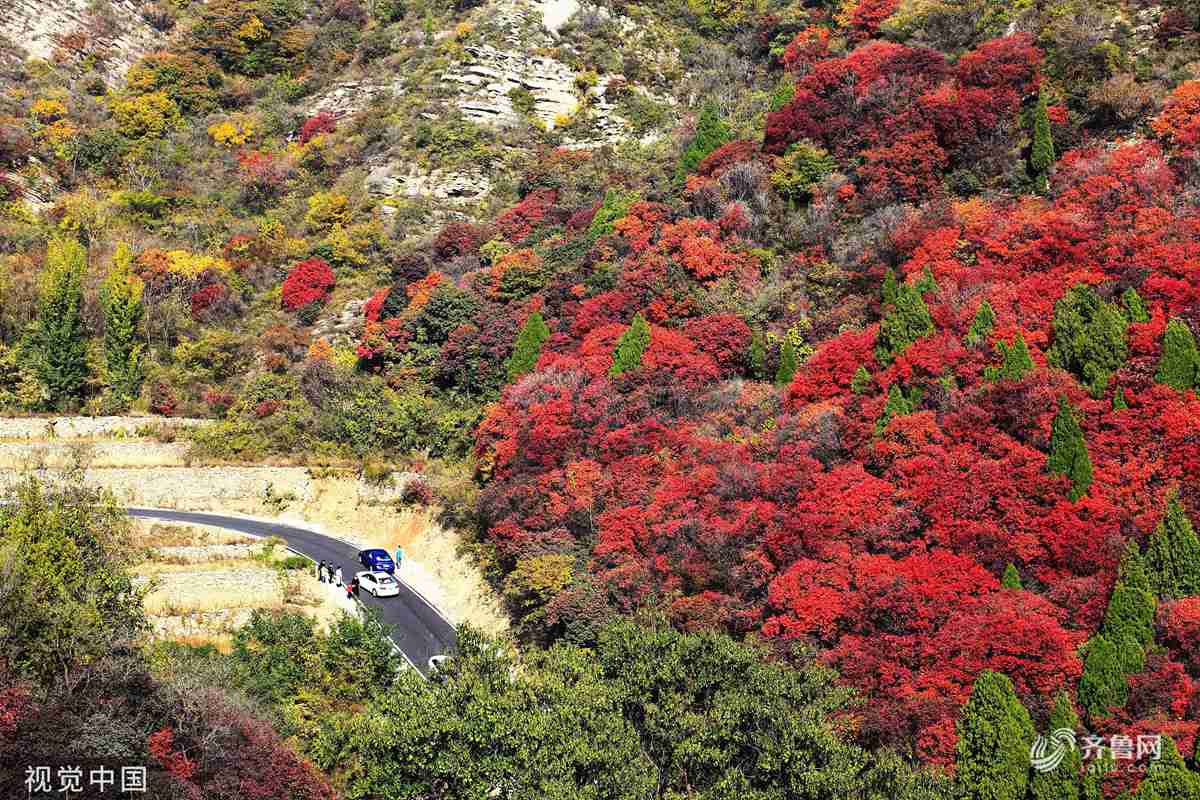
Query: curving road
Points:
[418, 629]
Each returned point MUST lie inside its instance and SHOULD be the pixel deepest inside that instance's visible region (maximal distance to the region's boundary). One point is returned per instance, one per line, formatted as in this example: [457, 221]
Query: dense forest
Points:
[831, 428]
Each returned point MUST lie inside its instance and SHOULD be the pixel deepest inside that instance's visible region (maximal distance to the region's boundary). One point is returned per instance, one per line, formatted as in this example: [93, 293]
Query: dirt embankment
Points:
[144, 471]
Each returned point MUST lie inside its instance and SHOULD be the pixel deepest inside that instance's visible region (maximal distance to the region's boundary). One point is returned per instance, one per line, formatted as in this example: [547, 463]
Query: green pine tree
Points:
[1062, 782]
[1180, 359]
[1135, 307]
[896, 405]
[1131, 606]
[1089, 338]
[1169, 778]
[1103, 684]
[758, 357]
[1041, 156]
[711, 133]
[1133, 570]
[981, 327]
[861, 383]
[528, 346]
[1011, 578]
[907, 322]
[994, 737]
[787, 363]
[1068, 451]
[1119, 403]
[59, 340]
[121, 297]
[890, 287]
[1131, 655]
[633, 342]
[1173, 555]
[1017, 362]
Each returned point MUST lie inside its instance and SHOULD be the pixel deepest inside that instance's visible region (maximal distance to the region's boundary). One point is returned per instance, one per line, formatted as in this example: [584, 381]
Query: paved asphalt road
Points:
[417, 628]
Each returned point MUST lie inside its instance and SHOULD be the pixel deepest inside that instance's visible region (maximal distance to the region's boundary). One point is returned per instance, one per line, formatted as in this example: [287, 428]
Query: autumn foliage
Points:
[308, 282]
[679, 485]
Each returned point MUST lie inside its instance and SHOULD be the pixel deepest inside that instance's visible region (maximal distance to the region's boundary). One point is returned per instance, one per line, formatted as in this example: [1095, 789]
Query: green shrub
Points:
[523, 101]
[711, 133]
[615, 206]
[800, 169]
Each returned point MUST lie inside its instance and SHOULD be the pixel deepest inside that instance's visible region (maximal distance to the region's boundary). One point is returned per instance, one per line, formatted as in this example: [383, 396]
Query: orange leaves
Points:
[640, 225]
[518, 268]
[694, 243]
[806, 48]
[1179, 123]
[161, 747]
[420, 291]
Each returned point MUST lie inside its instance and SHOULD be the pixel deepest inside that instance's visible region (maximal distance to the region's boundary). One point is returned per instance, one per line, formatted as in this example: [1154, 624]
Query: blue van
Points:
[377, 559]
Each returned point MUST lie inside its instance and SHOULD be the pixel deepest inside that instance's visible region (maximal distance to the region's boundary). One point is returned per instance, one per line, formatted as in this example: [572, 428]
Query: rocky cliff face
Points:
[113, 33]
[507, 63]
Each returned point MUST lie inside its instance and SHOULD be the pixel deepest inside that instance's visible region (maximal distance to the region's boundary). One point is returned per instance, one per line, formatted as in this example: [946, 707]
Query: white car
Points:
[379, 584]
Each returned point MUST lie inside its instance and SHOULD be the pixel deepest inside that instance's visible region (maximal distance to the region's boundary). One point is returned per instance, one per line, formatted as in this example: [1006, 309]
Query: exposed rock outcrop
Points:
[114, 33]
[498, 79]
[393, 180]
[343, 327]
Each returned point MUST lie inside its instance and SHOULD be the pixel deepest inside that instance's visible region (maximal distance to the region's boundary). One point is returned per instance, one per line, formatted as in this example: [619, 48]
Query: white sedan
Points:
[379, 584]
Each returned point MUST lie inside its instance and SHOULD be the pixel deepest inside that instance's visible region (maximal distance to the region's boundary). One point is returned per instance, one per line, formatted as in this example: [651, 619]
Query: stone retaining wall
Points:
[87, 427]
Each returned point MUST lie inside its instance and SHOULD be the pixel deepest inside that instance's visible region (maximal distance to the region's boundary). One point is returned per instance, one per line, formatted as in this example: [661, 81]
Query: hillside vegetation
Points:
[857, 334]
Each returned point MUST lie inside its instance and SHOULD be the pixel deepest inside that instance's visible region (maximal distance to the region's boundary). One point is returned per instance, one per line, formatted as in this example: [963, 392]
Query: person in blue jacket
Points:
[399, 557]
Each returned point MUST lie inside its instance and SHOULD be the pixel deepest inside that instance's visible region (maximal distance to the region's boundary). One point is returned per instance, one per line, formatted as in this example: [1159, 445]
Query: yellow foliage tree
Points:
[48, 109]
[146, 116]
[233, 132]
[253, 30]
[326, 209]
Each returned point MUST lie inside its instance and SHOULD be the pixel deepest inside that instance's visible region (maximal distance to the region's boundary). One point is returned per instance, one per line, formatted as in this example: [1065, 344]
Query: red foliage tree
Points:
[317, 124]
[461, 239]
[176, 763]
[308, 282]
[725, 156]
[868, 15]
[517, 222]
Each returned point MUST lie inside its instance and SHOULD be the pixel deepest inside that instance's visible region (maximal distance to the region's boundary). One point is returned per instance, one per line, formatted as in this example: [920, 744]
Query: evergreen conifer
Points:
[121, 297]
[1068, 451]
[904, 324]
[994, 737]
[1041, 157]
[981, 327]
[59, 339]
[787, 363]
[633, 343]
[1180, 360]
[528, 346]
[1173, 555]
[1062, 782]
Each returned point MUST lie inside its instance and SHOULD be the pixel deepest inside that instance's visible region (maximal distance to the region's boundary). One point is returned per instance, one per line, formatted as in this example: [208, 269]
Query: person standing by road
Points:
[399, 557]
[337, 576]
[321, 571]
